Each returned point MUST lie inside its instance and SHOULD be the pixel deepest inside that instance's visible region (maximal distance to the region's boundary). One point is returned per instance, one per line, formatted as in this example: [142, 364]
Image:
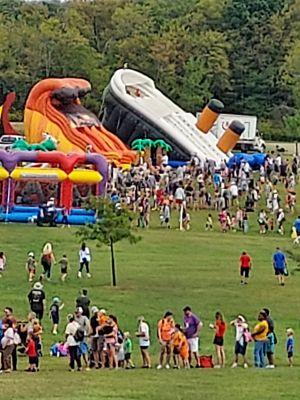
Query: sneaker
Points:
[89, 275]
[270, 366]
[245, 365]
[197, 366]
[167, 366]
[159, 367]
[234, 365]
[71, 370]
[79, 274]
[217, 366]
[88, 369]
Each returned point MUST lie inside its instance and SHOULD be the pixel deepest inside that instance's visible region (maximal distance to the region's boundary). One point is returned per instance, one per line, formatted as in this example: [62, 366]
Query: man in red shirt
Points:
[245, 266]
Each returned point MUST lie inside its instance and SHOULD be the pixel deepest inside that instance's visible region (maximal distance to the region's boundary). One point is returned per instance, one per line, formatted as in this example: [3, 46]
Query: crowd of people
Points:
[93, 338]
[232, 192]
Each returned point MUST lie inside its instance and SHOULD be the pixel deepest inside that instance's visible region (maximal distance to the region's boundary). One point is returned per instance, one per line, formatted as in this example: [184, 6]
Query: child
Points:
[128, 350]
[241, 340]
[290, 345]
[31, 266]
[165, 214]
[56, 306]
[180, 348]
[186, 220]
[65, 220]
[2, 262]
[209, 223]
[32, 353]
[64, 264]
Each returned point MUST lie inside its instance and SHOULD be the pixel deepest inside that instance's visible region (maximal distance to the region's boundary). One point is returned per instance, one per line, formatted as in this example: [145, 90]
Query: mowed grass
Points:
[166, 270]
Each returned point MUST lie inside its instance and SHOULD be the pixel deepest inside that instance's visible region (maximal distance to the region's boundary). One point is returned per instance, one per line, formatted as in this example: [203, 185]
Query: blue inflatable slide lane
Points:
[255, 160]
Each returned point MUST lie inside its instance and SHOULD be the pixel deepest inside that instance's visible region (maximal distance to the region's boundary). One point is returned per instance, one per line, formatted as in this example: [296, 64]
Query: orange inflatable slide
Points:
[53, 106]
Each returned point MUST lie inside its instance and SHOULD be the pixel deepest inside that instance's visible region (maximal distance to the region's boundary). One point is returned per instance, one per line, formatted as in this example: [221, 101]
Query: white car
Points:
[6, 141]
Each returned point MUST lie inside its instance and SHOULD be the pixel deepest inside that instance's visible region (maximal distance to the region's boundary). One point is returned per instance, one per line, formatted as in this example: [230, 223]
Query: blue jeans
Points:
[259, 356]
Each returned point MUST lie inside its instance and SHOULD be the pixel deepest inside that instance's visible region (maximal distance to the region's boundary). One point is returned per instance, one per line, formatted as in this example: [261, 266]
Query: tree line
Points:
[244, 52]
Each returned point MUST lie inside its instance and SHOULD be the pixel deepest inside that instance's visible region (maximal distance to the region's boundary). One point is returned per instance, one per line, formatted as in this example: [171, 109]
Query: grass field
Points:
[166, 270]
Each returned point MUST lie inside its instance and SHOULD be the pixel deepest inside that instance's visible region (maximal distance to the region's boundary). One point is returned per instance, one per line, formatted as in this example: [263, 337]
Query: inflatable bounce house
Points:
[134, 108]
[29, 179]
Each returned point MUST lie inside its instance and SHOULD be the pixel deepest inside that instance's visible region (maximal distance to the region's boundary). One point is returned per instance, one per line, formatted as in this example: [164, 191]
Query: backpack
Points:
[206, 362]
[79, 335]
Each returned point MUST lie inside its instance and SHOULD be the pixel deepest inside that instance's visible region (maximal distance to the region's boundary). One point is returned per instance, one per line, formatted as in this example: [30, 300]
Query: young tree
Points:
[114, 223]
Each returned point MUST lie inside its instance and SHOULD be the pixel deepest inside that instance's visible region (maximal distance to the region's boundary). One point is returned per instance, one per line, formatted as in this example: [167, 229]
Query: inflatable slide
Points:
[134, 108]
[53, 106]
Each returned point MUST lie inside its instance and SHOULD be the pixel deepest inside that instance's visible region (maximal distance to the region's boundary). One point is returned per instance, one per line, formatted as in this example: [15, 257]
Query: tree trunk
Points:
[113, 265]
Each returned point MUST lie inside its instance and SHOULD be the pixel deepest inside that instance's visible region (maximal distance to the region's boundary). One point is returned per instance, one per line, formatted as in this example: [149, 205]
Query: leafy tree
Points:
[114, 223]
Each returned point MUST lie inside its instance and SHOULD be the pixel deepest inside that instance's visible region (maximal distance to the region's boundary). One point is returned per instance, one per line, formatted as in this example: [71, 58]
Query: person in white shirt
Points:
[179, 195]
[280, 221]
[73, 345]
[143, 334]
[8, 345]
[84, 260]
[241, 330]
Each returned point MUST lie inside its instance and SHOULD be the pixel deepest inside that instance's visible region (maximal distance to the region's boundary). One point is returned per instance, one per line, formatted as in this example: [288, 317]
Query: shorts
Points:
[127, 356]
[83, 348]
[144, 347]
[279, 271]
[193, 344]
[290, 354]
[55, 319]
[218, 341]
[97, 343]
[245, 272]
[63, 270]
[240, 348]
[33, 360]
[178, 201]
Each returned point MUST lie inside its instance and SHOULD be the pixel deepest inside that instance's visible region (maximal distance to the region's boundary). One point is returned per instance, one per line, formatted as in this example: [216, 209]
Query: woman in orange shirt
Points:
[165, 330]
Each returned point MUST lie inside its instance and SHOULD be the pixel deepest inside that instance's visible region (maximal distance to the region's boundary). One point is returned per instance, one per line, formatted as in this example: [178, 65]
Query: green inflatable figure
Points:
[48, 144]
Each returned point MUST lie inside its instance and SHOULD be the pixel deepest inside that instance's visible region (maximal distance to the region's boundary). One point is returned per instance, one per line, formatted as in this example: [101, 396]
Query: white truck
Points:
[249, 140]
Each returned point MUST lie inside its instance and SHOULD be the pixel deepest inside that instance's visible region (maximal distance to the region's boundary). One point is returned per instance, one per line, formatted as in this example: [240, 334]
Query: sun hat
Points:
[241, 318]
[38, 286]
[102, 311]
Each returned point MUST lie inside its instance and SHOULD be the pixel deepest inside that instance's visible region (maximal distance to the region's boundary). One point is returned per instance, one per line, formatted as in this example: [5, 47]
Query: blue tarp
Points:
[255, 160]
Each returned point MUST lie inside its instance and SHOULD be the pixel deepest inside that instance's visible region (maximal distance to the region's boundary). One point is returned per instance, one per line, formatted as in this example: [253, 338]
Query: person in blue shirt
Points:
[280, 265]
[290, 345]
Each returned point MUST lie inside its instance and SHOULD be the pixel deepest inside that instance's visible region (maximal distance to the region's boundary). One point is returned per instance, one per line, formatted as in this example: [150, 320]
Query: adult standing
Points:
[143, 334]
[8, 345]
[280, 265]
[192, 326]
[165, 330]
[95, 341]
[73, 345]
[84, 260]
[245, 267]
[84, 326]
[84, 302]
[8, 316]
[37, 300]
[47, 260]
[271, 340]
[259, 335]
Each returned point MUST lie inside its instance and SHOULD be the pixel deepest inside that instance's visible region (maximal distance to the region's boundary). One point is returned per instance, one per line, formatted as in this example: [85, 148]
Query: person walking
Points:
[37, 300]
[280, 265]
[73, 345]
[47, 260]
[245, 267]
[259, 335]
[290, 343]
[84, 260]
[192, 326]
[143, 333]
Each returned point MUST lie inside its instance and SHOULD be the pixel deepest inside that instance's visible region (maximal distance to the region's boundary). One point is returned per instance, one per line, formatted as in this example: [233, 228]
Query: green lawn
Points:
[166, 270]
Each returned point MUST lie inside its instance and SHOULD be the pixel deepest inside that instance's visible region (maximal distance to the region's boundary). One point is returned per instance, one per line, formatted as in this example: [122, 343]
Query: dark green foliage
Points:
[246, 52]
